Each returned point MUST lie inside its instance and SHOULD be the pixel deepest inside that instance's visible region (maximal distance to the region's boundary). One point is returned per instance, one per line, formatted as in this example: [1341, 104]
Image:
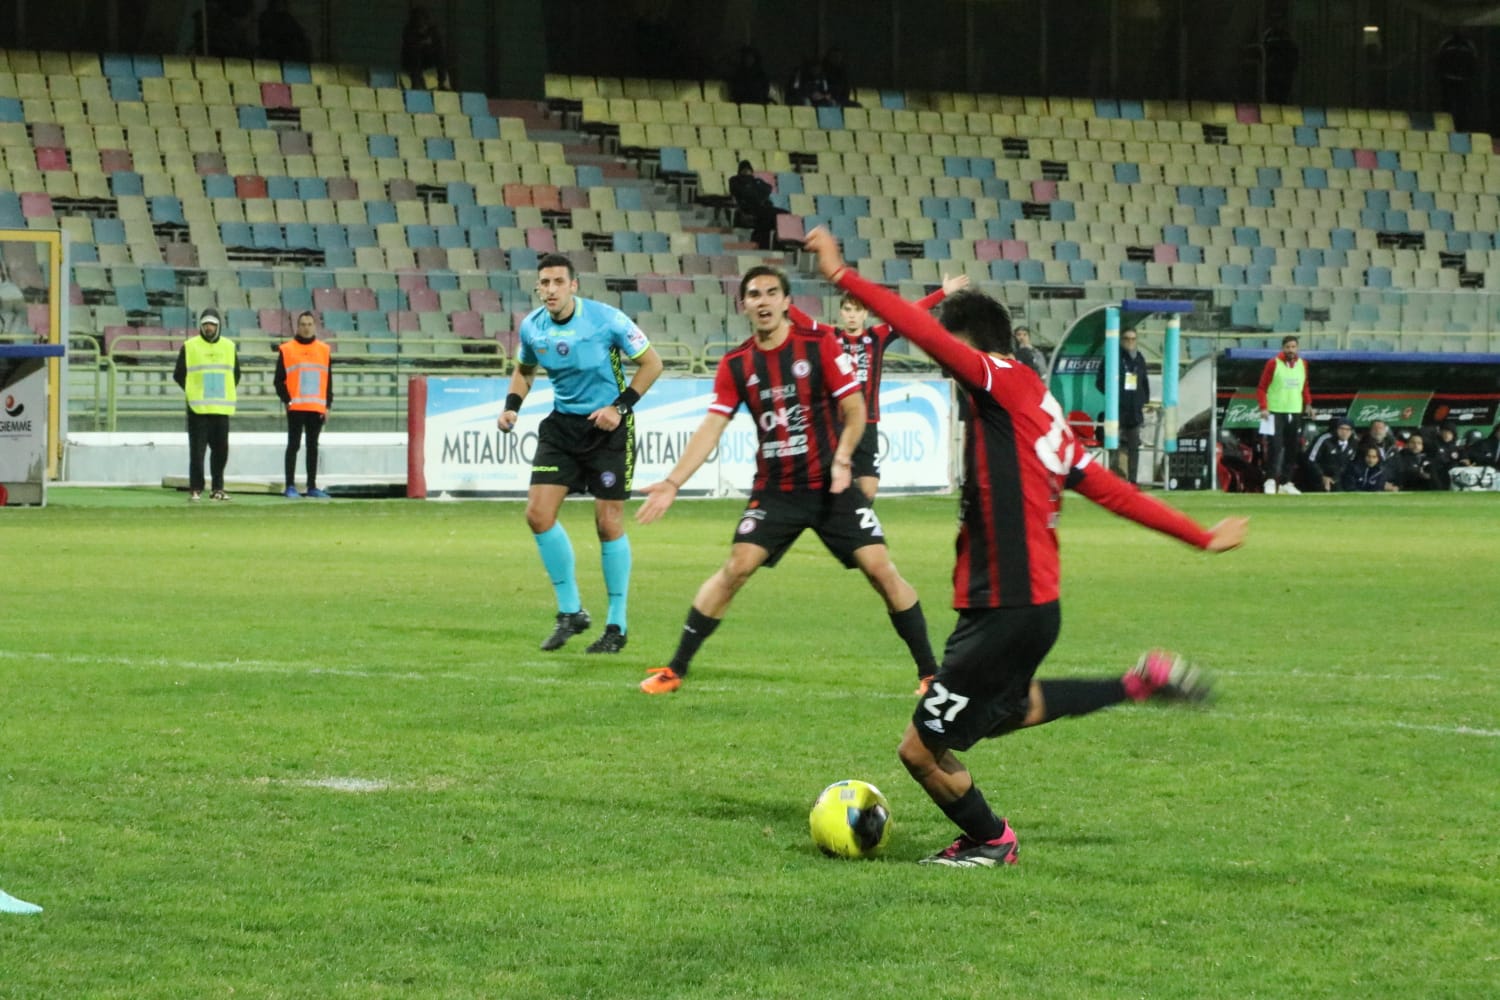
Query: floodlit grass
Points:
[288, 749]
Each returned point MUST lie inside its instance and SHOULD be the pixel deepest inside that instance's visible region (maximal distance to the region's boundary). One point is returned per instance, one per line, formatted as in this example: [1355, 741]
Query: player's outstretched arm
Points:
[1112, 493]
[659, 496]
[960, 360]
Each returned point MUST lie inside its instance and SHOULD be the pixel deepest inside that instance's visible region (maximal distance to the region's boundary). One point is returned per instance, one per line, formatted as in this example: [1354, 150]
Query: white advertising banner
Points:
[466, 454]
[23, 429]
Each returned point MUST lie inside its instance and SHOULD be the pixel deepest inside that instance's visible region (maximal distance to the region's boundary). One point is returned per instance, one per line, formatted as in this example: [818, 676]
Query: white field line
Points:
[531, 672]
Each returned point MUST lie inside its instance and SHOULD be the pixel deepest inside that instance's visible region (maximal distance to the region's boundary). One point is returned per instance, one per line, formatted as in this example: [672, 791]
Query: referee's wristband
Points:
[626, 400]
[513, 403]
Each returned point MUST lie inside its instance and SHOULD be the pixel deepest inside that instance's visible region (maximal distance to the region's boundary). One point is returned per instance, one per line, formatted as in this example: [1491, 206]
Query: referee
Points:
[586, 443]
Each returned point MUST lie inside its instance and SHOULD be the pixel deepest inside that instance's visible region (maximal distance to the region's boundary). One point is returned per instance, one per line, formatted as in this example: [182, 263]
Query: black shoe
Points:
[612, 641]
[568, 625]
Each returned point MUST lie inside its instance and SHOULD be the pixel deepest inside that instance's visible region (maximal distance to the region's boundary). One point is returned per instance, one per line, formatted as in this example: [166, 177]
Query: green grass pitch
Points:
[278, 749]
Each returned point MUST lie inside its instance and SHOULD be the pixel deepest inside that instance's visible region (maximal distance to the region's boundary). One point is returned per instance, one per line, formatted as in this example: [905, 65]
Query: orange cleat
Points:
[663, 680]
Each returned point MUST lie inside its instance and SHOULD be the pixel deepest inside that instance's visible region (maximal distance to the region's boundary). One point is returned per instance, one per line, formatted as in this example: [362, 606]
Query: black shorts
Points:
[866, 453]
[843, 521]
[983, 687]
[572, 452]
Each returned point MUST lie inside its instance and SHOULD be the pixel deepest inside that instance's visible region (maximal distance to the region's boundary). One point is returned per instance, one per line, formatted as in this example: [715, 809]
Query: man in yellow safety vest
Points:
[208, 370]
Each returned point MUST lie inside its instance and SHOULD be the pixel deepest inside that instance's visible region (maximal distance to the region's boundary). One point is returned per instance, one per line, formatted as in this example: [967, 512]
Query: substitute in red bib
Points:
[1019, 454]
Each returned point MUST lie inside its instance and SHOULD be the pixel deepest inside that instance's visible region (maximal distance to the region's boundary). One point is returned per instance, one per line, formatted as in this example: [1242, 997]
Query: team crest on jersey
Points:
[607, 478]
[801, 369]
[563, 348]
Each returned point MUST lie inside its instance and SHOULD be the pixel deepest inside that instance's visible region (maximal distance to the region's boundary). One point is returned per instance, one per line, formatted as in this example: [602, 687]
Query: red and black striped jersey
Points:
[1019, 454]
[866, 348]
[792, 393]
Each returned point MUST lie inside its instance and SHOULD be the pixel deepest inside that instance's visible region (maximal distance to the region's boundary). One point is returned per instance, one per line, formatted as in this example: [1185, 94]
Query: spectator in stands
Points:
[1457, 64]
[1379, 435]
[837, 76]
[304, 381]
[208, 370]
[1411, 468]
[750, 84]
[1284, 396]
[1135, 393]
[1332, 454]
[752, 196]
[1368, 474]
[809, 85]
[1032, 357]
[422, 49]
[281, 37]
[1280, 54]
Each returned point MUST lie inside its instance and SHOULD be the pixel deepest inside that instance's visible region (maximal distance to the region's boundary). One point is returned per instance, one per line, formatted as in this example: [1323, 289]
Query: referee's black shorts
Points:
[843, 521]
[867, 452]
[572, 452]
[983, 687]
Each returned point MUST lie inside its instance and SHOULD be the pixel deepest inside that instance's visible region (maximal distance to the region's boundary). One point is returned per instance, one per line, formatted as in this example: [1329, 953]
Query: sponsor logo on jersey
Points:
[754, 379]
[936, 725]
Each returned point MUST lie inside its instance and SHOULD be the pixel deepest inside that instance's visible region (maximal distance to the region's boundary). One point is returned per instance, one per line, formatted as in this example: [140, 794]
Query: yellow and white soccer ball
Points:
[851, 819]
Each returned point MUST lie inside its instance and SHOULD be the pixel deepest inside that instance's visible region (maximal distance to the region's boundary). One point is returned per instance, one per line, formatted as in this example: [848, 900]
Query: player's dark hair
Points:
[1290, 338]
[556, 260]
[850, 299]
[760, 271]
[983, 321]
[308, 314]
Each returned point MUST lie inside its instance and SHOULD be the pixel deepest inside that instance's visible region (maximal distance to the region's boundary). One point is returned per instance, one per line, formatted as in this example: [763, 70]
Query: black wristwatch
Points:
[622, 410]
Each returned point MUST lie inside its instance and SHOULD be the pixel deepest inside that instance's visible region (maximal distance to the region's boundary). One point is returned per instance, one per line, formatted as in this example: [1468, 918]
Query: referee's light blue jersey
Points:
[583, 356]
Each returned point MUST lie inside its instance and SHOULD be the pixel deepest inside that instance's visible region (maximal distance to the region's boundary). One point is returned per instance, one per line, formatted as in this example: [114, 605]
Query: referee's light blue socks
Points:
[615, 557]
[557, 559]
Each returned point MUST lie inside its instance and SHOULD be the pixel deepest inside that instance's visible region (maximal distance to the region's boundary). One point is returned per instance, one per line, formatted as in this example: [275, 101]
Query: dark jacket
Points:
[1132, 401]
[1362, 478]
[1331, 456]
[1412, 471]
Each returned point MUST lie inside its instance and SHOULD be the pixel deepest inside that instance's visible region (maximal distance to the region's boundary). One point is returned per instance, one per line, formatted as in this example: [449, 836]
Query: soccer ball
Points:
[851, 819]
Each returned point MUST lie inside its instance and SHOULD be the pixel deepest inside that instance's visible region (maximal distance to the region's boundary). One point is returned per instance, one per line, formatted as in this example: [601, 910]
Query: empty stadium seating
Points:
[410, 221]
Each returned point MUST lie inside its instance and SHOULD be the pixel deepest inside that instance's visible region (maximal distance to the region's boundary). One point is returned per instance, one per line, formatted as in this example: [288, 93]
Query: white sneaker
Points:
[1290, 490]
[1270, 486]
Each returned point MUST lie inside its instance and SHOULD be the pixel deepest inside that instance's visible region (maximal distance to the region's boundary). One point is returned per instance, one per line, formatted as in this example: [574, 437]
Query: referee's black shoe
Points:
[612, 641]
[569, 624]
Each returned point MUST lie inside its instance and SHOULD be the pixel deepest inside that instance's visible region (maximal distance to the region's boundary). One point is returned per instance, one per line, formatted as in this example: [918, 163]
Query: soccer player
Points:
[809, 415]
[866, 346]
[586, 443]
[1019, 454]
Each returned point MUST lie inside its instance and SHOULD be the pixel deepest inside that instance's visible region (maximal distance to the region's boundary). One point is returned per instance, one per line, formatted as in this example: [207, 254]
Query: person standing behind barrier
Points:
[304, 381]
[208, 370]
[1284, 395]
[1031, 357]
[586, 443]
[1135, 393]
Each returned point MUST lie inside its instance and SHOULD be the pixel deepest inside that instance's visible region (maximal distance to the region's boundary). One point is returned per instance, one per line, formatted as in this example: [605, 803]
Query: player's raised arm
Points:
[961, 360]
[659, 496]
[1113, 493]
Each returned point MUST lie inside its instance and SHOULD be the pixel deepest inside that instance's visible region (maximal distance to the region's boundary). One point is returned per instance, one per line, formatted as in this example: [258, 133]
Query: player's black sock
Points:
[697, 628]
[1079, 697]
[971, 814]
[911, 626]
